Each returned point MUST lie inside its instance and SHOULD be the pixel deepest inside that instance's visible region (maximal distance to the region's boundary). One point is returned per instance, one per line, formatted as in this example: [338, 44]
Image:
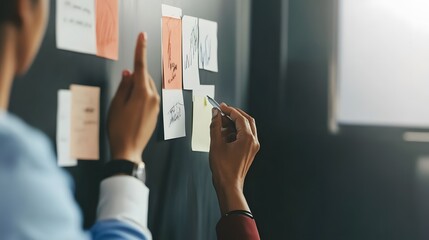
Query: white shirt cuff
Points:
[124, 198]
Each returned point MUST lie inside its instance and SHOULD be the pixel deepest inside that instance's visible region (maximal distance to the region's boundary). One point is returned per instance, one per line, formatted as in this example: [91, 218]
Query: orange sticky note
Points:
[172, 53]
[107, 28]
[85, 118]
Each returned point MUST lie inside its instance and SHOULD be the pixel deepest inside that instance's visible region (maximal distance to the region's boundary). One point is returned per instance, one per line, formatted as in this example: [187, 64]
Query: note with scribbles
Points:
[75, 26]
[171, 52]
[63, 129]
[191, 77]
[173, 113]
[208, 45]
[85, 118]
[107, 28]
[201, 119]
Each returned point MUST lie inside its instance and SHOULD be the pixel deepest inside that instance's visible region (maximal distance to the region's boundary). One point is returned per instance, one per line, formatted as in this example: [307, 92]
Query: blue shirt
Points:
[36, 201]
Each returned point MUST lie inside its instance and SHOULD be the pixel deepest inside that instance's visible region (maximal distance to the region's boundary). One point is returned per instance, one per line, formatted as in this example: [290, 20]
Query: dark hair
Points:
[8, 10]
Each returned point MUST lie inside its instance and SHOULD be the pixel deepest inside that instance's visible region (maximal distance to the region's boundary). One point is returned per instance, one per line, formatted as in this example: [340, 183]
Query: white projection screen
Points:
[382, 63]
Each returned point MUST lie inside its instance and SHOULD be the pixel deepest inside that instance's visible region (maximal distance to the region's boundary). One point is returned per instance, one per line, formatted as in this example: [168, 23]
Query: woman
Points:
[36, 201]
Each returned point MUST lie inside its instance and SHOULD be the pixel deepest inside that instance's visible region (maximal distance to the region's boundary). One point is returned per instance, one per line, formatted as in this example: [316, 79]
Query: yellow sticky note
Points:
[85, 118]
[201, 119]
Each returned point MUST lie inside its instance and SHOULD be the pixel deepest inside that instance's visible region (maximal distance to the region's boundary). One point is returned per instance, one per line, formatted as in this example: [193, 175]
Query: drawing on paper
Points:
[192, 54]
[172, 53]
[171, 64]
[176, 112]
[205, 51]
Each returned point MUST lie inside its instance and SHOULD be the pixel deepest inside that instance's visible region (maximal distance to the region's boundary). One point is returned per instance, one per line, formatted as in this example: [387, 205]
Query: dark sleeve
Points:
[237, 227]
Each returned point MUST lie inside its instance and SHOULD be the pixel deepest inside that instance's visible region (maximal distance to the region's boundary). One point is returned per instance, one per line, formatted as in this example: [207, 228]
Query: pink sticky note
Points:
[107, 28]
[85, 122]
[172, 53]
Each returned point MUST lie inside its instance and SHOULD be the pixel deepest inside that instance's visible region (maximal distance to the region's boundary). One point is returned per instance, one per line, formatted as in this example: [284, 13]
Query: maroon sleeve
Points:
[237, 227]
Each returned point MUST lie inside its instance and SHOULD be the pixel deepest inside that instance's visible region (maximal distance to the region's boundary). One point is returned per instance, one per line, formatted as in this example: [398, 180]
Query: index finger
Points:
[241, 122]
[140, 60]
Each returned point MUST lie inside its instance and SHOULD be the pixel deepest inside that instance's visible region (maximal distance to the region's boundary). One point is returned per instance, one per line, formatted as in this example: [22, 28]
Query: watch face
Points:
[140, 172]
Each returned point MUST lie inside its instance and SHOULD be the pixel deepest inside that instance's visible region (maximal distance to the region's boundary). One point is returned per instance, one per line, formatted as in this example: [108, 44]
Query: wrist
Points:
[231, 198]
[136, 158]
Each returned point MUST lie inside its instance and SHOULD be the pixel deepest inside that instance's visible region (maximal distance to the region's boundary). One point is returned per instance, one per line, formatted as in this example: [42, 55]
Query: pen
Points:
[217, 106]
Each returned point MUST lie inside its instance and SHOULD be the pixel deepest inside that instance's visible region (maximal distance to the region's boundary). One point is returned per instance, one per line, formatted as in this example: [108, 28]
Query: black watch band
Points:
[125, 167]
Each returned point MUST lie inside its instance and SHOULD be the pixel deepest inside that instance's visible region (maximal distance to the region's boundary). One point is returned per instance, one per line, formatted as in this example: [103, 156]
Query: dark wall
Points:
[306, 183]
[183, 203]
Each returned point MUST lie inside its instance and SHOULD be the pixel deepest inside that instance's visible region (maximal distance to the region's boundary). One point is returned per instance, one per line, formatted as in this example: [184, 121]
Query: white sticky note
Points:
[63, 129]
[202, 115]
[203, 91]
[208, 45]
[75, 26]
[191, 76]
[85, 122]
[173, 113]
[170, 11]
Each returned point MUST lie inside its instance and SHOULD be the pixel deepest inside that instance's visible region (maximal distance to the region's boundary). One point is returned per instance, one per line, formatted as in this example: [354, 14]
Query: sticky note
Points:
[204, 90]
[201, 120]
[191, 76]
[173, 109]
[208, 45]
[170, 11]
[75, 26]
[85, 122]
[201, 117]
[107, 28]
[171, 47]
[63, 129]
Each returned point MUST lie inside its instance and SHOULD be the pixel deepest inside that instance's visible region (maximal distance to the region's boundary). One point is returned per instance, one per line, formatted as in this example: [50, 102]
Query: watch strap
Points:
[119, 166]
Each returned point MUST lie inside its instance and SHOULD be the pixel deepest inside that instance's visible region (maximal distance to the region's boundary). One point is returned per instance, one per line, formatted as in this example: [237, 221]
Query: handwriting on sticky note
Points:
[85, 118]
[75, 25]
[191, 78]
[208, 45]
[63, 129]
[172, 52]
[107, 28]
[173, 113]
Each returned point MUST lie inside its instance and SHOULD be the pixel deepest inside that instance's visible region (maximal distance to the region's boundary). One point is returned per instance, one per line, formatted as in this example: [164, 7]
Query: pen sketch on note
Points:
[190, 35]
[107, 28]
[173, 110]
[172, 53]
[176, 112]
[208, 45]
[191, 55]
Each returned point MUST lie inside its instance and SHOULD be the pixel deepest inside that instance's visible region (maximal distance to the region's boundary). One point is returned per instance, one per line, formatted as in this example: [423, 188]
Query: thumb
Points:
[216, 128]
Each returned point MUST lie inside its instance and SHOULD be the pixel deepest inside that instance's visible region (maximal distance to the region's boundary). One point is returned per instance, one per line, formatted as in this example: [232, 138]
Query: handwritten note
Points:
[208, 45]
[173, 113]
[107, 28]
[75, 26]
[63, 129]
[191, 77]
[85, 118]
[201, 119]
[172, 52]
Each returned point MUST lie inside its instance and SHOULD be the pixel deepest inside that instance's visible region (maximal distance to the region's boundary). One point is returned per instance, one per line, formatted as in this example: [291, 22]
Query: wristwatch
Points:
[125, 167]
